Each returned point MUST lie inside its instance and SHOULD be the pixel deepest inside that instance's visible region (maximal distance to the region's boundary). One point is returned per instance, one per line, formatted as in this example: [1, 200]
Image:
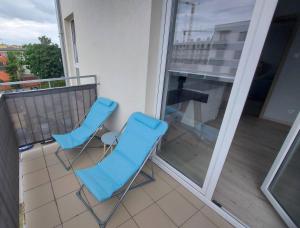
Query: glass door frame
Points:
[258, 29]
[284, 151]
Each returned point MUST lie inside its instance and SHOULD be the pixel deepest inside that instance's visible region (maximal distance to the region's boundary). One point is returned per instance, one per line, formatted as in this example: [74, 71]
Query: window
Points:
[73, 33]
[242, 36]
[73, 46]
[224, 35]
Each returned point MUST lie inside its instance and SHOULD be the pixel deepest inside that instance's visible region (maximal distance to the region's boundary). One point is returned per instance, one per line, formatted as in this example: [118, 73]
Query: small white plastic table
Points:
[109, 139]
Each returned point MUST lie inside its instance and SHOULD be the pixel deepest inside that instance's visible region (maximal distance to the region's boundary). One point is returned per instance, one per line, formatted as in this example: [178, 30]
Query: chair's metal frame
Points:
[82, 148]
[122, 191]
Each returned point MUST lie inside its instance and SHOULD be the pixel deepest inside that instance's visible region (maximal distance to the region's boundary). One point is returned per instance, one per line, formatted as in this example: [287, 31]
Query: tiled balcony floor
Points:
[50, 200]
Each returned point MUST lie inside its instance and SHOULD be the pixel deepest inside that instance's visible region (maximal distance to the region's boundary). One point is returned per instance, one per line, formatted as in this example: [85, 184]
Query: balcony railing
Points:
[37, 114]
[9, 170]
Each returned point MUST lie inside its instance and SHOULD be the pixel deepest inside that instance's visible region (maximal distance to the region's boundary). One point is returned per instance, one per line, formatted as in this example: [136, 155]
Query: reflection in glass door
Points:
[205, 47]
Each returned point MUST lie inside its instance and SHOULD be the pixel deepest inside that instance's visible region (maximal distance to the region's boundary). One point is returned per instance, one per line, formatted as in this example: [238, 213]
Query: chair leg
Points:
[101, 223]
[72, 161]
[59, 158]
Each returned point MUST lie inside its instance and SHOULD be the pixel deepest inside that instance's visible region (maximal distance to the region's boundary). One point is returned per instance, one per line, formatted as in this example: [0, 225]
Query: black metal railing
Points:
[36, 115]
[9, 170]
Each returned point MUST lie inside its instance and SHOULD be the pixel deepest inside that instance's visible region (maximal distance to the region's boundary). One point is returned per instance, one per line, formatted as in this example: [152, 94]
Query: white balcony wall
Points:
[113, 40]
[154, 56]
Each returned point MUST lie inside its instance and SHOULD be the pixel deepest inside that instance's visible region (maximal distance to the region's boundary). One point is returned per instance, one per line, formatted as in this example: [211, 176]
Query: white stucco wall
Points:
[113, 40]
[154, 58]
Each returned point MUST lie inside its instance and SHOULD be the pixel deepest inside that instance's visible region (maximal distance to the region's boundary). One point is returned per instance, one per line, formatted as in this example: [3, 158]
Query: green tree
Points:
[44, 59]
[14, 65]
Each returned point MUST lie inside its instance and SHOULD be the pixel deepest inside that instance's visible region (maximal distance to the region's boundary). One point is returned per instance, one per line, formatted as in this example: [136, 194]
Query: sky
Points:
[23, 21]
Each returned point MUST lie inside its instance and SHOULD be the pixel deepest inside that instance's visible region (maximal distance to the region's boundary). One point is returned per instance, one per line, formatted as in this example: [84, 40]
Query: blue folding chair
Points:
[86, 129]
[109, 177]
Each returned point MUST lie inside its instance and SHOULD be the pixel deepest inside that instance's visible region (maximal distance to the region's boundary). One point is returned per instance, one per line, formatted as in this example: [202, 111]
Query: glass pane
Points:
[74, 41]
[285, 186]
[207, 42]
[209, 36]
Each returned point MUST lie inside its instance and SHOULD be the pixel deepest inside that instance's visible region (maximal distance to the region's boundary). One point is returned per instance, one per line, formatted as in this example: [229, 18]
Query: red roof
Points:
[5, 78]
[3, 59]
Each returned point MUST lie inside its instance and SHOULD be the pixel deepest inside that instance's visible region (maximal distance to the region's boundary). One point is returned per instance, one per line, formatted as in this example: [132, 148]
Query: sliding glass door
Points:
[205, 46]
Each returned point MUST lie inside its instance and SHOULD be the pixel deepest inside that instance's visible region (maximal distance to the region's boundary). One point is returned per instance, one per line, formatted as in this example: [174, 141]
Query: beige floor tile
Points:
[35, 179]
[176, 207]
[167, 178]
[84, 220]
[153, 216]
[51, 159]
[33, 165]
[148, 167]
[71, 154]
[83, 161]
[33, 153]
[95, 153]
[65, 185]
[50, 148]
[190, 197]
[157, 188]
[38, 196]
[199, 221]
[215, 218]
[69, 206]
[58, 171]
[136, 200]
[45, 216]
[140, 178]
[121, 215]
[90, 198]
[96, 142]
[129, 224]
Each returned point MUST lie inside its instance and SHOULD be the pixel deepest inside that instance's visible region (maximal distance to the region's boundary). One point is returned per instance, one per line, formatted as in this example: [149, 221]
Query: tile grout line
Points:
[197, 210]
[211, 220]
[166, 215]
[30, 159]
[35, 186]
[130, 217]
[163, 194]
[38, 207]
[165, 212]
[176, 189]
[33, 171]
[55, 201]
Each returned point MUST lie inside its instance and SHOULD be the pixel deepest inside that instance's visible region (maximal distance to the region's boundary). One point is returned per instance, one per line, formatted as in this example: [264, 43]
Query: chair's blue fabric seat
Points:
[99, 112]
[135, 144]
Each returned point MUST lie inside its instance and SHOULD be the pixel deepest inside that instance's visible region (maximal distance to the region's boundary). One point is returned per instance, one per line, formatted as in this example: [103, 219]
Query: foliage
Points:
[14, 65]
[53, 84]
[44, 59]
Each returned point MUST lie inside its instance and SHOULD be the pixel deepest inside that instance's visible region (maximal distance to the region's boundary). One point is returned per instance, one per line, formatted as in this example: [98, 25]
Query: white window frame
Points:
[285, 149]
[73, 46]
